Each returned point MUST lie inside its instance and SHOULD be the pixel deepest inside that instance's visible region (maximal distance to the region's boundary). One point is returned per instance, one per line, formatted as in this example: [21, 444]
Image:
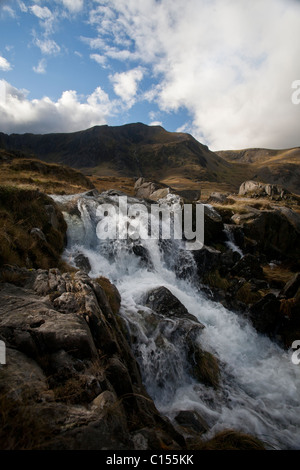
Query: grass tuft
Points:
[228, 440]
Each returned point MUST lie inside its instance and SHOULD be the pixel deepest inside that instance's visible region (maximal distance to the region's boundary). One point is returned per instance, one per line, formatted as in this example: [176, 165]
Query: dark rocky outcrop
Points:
[248, 267]
[69, 364]
[265, 315]
[291, 287]
[289, 309]
[207, 259]
[275, 233]
[213, 226]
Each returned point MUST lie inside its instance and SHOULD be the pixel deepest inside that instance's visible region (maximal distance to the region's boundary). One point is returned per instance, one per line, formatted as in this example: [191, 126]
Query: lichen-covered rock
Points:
[254, 188]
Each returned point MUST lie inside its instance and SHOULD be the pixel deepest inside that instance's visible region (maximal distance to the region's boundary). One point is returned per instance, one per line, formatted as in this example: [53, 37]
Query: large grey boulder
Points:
[254, 188]
[162, 301]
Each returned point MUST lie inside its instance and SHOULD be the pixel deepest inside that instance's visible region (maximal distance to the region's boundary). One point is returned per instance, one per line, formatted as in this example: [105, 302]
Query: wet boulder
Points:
[162, 301]
[204, 365]
[144, 256]
[82, 262]
[191, 421]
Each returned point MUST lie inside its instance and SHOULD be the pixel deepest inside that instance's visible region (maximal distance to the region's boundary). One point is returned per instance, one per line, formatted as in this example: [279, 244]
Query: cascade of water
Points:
[259, 391]
[231, 243]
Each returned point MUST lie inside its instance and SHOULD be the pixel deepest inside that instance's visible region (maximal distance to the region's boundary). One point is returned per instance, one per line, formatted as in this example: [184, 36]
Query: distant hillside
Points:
[177, 159]
[130, 150]
[20, 170]
[270, 166]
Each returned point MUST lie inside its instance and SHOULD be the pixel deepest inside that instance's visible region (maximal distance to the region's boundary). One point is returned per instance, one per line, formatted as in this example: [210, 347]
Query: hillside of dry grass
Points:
[27, 172]
[269, 166]
[32, 229]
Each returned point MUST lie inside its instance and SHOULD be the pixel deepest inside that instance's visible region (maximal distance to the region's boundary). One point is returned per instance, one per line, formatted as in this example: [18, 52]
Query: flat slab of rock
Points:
[31, 324]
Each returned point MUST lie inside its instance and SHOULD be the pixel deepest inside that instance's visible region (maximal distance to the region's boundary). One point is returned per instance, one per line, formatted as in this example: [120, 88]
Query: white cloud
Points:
[122, 54]
[126, 84]
[22, 6]
[47, 46]
[69, 113]
[9, 11]
[229, 64]
[4, 64]
[41, 67]
[100, 59]
[156, 123]
[74, 6]
[43, 13]
[48, 18]
[94, 43]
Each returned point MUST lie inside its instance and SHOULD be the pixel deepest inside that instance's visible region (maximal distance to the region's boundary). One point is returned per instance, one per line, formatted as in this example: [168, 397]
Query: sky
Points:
[225, 71]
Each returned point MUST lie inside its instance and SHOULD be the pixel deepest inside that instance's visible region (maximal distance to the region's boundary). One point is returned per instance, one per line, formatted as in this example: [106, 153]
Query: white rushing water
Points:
[259, 391]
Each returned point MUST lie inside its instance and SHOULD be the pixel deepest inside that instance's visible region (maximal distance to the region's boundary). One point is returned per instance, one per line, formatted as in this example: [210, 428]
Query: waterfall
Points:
[260, 386]
[231, 243]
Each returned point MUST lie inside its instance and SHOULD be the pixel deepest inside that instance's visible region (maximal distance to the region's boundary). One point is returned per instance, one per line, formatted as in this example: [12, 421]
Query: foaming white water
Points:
[259, 390]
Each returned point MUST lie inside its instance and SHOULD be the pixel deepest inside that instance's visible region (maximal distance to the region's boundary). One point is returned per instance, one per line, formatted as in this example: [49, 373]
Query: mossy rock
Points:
[23, 212]
[204, 366]
[215, 280]
[111, 293]
[247, 295]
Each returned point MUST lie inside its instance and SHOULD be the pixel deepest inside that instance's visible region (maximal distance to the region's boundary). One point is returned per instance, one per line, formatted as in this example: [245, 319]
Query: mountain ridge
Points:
[135, 150]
